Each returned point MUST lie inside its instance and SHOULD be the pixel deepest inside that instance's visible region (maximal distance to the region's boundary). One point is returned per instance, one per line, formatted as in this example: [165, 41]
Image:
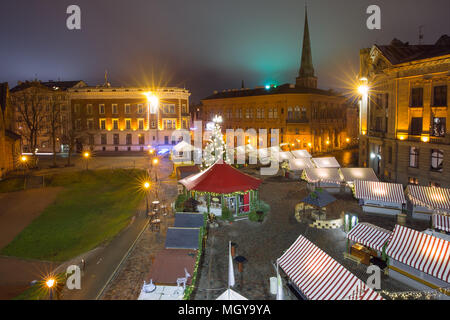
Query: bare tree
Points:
[31, 107]
[73, 134]
[54, 125]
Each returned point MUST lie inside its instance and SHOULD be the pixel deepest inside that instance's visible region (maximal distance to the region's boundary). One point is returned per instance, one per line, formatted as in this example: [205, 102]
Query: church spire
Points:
[306, 76]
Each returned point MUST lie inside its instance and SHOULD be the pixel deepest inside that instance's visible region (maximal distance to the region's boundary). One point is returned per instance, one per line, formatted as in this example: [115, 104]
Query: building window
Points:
[102, 124]
[141, 139]
[183, 109]
[437, 160]
[389, 154]
[416, 126]
[303, 115]
[115, 109]
[413, 157]
[76, 108]
[169, 108]
[416, 97]
[90, 124]
[413, 180]
[185, 126]
[275, 112]
[78, 124]
[116, 138]
[141, 124]
[289, 113]
[103, 139]
[229, 113]
[140, 108]
[116, 124]
[297, 112]
[129, 138]
[128, 124]
[378, 124]
[153, 124]
[240, 113]
[270, 113]
[440, 96]
[127, 109]
[101, 109]
[89, 108]
[378, 100]
[438, 127]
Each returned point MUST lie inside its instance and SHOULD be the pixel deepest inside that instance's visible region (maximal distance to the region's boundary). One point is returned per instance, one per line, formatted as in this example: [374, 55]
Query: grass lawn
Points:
[93, 207]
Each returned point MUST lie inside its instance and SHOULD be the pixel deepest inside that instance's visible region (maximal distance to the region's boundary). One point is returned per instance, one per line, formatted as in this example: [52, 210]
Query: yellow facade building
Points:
[403, 117]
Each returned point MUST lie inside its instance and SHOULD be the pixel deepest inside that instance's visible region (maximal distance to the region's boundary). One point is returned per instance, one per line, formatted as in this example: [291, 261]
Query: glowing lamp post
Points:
[146, 187]
[50, 283]
[86, 156]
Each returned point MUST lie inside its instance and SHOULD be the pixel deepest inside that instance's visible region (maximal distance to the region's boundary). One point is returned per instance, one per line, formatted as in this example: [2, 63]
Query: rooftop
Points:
[398, 52]
[263, 91]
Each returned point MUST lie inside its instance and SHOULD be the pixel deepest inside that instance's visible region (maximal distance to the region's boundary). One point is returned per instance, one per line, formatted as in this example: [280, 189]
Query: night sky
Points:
[204, 45]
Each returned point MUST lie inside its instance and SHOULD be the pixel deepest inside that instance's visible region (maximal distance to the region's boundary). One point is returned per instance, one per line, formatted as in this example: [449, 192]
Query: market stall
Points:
[424, 201]
[182, 238]
[420, 260]
[316, 204]
[182, 152]
[170, 272]
[368, 241]
[296, 166]
[441, 222]
[189, 220]
[317, 276]
[380, 197]
[326, 178]
[301, 154]
[350, 175]
[222, 186]
[326, 162]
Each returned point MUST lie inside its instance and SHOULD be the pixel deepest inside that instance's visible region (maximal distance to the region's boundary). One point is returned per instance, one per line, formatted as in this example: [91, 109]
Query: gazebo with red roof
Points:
[221, 184]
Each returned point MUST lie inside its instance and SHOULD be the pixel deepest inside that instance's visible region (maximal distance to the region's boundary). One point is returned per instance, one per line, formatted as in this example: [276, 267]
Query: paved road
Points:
[104, 261]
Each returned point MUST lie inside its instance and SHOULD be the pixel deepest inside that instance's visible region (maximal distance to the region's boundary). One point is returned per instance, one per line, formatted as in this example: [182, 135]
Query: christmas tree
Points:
[215, 149]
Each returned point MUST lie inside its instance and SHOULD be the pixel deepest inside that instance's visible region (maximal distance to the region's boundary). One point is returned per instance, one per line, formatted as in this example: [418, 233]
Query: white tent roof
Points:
[286, 156]
[300, 164]
[327, 162]
[352, 174]
[183, 146]
[326, 175]
[301, 154]
[231, 295]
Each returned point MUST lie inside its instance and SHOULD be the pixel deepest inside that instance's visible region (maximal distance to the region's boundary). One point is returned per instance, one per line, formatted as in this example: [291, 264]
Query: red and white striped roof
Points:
[429, 197]
[441, 222]
[369, 235]
[421, 251]
[326, 175]
[319, 276]
[379, 191]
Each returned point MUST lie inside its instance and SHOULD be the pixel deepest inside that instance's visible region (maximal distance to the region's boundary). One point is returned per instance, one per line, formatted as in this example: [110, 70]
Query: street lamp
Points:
[155, 162]
[50, 283]
[86, 156]
[146, 187]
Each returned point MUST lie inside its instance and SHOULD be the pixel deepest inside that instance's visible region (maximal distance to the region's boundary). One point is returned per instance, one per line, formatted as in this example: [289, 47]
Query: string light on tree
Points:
[215, 149]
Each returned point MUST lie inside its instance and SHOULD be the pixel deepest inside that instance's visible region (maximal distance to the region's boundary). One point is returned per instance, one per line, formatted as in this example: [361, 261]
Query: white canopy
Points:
[183, 146]
[231, 295]
[352, 174]
[301, 154]
[326, 175]
[285, 156]
[300, 164]
[327, 162]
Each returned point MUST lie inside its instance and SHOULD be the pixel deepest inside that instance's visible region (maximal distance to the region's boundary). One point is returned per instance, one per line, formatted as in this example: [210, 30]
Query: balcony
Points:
[304, 120]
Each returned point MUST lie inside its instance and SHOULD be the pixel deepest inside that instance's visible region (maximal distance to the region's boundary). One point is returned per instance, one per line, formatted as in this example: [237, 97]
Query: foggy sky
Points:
[204, 45]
